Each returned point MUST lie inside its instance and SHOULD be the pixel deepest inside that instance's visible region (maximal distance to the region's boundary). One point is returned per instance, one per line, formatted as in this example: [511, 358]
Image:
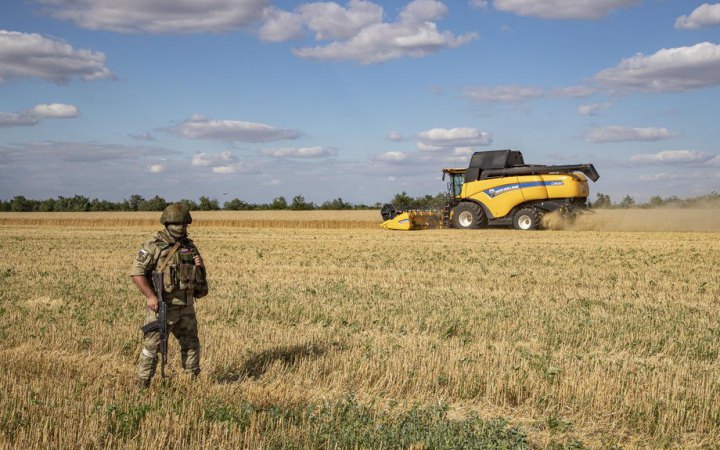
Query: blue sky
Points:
[355, 99]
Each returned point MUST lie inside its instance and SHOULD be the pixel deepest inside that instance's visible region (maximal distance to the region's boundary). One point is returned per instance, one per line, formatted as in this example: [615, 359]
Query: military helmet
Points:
[176, 213]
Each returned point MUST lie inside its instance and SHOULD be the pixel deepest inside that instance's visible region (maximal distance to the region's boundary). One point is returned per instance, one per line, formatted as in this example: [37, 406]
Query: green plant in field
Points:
[348, 424]
[124, 421]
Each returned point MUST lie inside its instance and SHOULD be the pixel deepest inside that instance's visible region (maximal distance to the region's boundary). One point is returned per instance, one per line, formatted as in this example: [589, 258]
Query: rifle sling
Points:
[161, 266]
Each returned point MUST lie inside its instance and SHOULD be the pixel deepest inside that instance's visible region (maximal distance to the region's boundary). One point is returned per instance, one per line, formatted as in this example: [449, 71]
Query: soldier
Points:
[173, 254]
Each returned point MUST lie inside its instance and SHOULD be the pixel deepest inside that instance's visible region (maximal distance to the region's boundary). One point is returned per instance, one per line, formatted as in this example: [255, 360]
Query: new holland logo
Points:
[494, 192]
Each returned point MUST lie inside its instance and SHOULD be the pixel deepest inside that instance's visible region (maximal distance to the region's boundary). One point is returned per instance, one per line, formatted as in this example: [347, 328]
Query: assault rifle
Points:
[161, 323]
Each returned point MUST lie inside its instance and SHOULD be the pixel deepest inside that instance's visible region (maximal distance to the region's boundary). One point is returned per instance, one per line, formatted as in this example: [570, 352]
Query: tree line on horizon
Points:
[402, 201]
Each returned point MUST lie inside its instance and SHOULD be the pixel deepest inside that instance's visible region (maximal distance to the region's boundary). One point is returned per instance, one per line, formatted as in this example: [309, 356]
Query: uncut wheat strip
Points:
[132, 222]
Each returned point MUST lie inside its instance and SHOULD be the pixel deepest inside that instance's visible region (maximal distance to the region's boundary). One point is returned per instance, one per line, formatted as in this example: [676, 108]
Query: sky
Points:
[255, 99]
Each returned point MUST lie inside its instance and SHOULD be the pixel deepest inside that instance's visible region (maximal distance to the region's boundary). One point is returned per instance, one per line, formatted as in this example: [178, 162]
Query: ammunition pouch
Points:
[201, 286]
[168, 279]
[186, 277]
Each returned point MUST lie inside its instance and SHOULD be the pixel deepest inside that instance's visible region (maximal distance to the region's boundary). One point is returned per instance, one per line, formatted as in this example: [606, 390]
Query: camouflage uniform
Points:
[179, 295]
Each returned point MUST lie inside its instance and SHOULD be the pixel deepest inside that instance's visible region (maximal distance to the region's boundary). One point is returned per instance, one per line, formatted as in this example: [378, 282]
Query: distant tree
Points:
[134, 202]
[20, 204]
[602, 201]
[336, 204]
[47, 205]
[279, 203]
[237, 205]
[207, 204]
[655, 201]
[76, 203]
[299, 204]
[156, 203]
[403, 201]
[674, 201]
[189, 204]
[627, 202]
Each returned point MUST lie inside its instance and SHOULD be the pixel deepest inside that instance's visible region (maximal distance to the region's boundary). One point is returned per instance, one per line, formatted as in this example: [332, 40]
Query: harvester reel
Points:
[468, 215]
[526, 219]
[388, 211]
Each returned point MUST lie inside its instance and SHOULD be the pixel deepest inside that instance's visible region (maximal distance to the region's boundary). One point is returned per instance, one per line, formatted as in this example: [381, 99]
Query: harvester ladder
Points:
[446, 216]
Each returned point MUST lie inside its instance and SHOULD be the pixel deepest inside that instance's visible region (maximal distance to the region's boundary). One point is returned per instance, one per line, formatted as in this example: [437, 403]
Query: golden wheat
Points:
[599, 338]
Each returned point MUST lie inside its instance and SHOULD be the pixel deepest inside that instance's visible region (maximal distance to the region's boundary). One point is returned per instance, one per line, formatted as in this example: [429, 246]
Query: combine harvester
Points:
[499, 189]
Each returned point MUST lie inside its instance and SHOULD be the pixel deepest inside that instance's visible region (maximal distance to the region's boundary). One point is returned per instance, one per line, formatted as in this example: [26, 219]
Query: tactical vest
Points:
[182, 279]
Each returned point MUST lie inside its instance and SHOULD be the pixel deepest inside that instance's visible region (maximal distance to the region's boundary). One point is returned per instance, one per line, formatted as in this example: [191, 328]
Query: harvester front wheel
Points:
[526, 219]
[468, 215]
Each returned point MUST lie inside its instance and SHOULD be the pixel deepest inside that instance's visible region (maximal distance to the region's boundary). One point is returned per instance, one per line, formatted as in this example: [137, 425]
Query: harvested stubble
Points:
[324, 338]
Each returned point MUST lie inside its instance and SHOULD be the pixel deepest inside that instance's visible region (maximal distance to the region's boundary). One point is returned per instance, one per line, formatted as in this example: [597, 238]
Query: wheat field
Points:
[323, 331]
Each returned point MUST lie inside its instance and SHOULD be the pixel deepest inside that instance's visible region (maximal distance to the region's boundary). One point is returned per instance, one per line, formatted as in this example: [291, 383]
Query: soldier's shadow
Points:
[258, 364]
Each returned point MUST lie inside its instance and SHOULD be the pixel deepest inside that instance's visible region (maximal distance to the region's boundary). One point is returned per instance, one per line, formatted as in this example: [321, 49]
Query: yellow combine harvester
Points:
[498, 188]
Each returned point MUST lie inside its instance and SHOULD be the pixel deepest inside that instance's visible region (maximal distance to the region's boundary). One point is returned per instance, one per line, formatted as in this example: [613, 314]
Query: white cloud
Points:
[575, 91]
[460, 155]
[392, 157]
[593, 109]
[370, 41]
[156, 168]
[328, 20]
[17, 119]
[616, 133]
[77, 152]
[304, 152]
[33, 115]
[563, 9]
[200, 127]
[55, 111]
[229, 168]
[504, 94]
[419, 11]
[662, 176]
[222, 163]
[444, 138]
[24, 55]
[281, 26]
[202, 159]
[42, 169]
[704, 16]
[673, 157]
[674, 69]
[478, 4]
[331, 21]
[394, 136]
[158, 16]
[144, 136]
[205, 159]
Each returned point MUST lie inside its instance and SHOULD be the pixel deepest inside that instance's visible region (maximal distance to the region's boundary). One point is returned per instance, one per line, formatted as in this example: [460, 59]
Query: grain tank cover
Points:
[494, 159]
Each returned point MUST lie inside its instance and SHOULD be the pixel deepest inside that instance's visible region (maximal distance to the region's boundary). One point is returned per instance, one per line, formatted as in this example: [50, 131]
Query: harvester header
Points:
[498, 188]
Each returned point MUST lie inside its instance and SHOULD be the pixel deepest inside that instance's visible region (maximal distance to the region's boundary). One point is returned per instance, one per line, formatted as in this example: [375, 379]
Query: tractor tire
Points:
[526, 219]
[468, 215]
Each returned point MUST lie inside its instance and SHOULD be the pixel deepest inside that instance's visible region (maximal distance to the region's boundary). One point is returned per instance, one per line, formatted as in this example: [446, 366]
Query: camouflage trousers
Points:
[183, 325]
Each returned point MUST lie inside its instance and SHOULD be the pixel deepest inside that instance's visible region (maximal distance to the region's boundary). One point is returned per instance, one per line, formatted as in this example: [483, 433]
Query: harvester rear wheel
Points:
[468, 215]
[526, 219]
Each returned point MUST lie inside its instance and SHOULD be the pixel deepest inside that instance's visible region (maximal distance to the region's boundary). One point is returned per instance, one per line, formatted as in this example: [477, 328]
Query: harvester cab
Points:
[499, 189]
